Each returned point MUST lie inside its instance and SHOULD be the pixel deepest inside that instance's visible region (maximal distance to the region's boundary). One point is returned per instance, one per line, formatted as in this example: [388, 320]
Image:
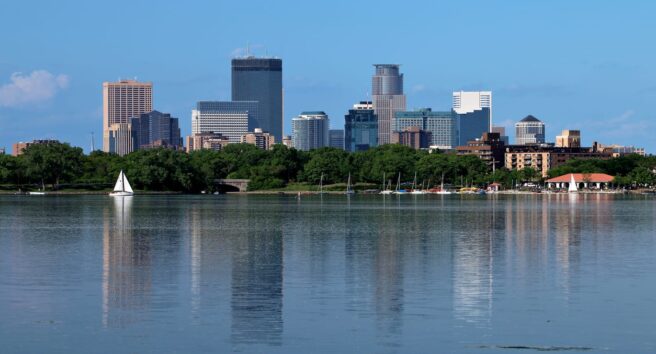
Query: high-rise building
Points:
[441, 125]
[336, 138]
[569, 138]
[361, 127]
[17, 148]
[502, 134]
[229, 118]
[121, 101]
[529, 130]
[310, 130]
[489, 148]
[388, 98]
[260, 80]
[154, 129]
[414, 137]
[474, 110]
[259, 138]
[120, 138]
[206, 140]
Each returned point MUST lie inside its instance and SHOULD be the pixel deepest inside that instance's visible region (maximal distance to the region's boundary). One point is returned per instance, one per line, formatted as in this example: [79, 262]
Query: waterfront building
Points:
[474, 112]
[414, 137]
[441, 125]
[543, 157]
[582, 180]
[287, 141]
[310, 130]
[502, 134]
[388, 98]
[529, 130]
[260, 80]
[17, 148]
[336, 138]
[490, 148]
[207, 140]
[228, 118]
[261, 139]
[120, 139]
[569, 138]
[156, 129]
[123, 100]
[361, 127]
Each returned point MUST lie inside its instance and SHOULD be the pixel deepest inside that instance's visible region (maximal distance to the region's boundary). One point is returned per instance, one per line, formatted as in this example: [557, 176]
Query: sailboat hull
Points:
[121, 194]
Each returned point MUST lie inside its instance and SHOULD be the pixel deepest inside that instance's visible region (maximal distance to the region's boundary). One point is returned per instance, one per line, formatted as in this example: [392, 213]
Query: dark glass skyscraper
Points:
[260, 79]
[360, 128]
[155, 129]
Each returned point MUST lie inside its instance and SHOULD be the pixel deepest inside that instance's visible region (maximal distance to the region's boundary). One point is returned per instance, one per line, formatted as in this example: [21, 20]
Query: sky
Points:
[585, 65]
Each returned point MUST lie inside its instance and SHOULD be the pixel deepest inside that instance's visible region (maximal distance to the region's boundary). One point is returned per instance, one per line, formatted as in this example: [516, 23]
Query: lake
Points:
[326, 274]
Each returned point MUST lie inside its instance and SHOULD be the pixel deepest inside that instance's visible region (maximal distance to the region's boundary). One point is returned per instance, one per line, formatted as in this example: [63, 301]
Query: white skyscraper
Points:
[310, 131]
[474, 110]
[230, 119]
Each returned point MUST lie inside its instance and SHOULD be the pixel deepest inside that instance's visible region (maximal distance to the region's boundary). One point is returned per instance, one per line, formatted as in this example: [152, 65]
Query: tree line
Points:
[58, 165]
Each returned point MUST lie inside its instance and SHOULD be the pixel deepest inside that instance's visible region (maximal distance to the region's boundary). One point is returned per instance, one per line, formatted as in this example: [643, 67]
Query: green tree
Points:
[52, 163]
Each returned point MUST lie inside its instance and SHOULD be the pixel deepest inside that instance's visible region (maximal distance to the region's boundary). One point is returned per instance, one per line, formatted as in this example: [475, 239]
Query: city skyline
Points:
[565, 91]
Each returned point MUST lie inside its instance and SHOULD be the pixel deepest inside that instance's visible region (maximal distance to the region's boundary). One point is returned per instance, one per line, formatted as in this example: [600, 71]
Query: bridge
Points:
[232, 185]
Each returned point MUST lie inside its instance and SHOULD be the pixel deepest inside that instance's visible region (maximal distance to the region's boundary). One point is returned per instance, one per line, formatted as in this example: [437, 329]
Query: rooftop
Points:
[530, 118]
[583, 177]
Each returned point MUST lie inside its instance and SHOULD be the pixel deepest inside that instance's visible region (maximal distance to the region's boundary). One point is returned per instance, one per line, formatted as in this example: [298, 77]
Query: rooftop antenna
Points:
[248, 49]
[93, 145]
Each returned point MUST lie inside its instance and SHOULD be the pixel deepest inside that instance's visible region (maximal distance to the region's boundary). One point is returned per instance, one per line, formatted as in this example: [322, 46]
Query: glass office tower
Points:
[388, 98]
[360, 127]
[260, 79]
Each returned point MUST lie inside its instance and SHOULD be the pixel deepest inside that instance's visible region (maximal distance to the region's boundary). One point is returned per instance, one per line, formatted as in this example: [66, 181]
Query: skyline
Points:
[554, 61]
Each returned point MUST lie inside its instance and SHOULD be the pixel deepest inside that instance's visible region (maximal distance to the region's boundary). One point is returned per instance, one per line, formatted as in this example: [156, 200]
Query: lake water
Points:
[273, 274]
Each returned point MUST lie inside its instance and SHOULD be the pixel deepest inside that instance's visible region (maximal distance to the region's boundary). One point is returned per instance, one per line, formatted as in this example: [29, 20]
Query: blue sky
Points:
[585, 65]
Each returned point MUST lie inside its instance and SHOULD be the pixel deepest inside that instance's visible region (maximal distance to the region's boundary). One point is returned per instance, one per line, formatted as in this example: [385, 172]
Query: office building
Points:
[123, 100]
[287, 141]
[529, 130]
[569, 138]
[361, 127]
[17, 149]
[474, 112]
[155, 129]
[207, 141]
[441, 125]
[260, 80]
[336, 138]
[620, 150]
[490, 148]
[120, 139]
[414, 137]
[502, 134]
[310, 130]
[259, 138]
[228, 118]
[388, 98]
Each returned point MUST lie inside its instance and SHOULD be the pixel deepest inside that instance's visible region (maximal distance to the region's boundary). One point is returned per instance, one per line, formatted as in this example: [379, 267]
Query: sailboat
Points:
[321, 184]
[414, 186]
[122, 187]
[442, 190]
[349, 190]
[386, 190]
[398, 186]
[572, 185]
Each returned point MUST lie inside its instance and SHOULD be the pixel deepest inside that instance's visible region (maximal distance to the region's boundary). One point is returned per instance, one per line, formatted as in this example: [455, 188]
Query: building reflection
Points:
[126, 276]
[257, 280]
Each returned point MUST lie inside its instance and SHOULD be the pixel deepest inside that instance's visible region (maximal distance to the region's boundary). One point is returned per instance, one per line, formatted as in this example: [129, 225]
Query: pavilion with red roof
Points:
[582, 180]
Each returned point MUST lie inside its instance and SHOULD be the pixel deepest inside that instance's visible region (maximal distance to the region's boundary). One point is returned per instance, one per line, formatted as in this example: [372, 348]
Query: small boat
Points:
[442, 190]
[398, 186]
[386, 189]
[414, 186]
[572, 185]
[122, 187]
[36, 193]
[321, 184]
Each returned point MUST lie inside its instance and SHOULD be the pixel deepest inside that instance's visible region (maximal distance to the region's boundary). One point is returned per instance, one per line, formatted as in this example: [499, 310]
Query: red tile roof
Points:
[583, 177]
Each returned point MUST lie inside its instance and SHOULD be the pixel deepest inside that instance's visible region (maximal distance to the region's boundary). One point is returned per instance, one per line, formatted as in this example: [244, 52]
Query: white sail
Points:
[572, 184]
[126, 184]
[119, 186]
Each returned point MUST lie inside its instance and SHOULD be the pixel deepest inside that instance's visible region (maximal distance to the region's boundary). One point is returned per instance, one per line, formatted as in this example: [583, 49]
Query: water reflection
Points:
[126, 276]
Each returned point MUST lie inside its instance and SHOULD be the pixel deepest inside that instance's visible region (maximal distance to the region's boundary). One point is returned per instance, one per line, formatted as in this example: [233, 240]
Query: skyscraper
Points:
[388, 98]
[229, 118]
[529, 130]
[310, 130]
[441, 125]
[360, 127]
[120, 138]
[121, 101]
[155, 129]
[569, 138]
[336, 138]
[260, 80]
[474, 110]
